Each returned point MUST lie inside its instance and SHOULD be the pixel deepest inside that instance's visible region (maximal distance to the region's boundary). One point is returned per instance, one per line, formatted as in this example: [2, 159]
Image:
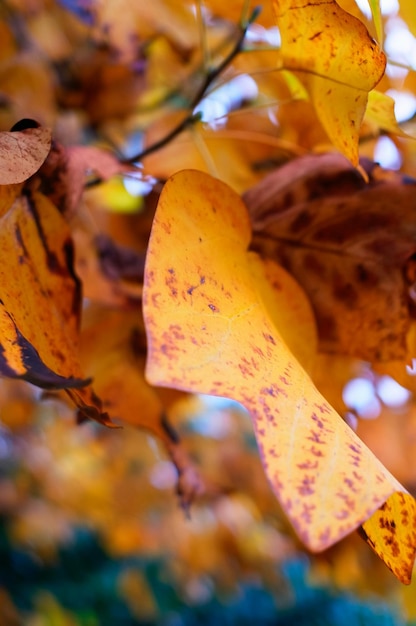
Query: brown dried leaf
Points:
[346, 242]
[22, 153]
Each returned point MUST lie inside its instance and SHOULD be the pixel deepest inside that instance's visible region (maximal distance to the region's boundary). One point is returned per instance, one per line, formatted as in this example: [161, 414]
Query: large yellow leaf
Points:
[338, 62]
[209, 331]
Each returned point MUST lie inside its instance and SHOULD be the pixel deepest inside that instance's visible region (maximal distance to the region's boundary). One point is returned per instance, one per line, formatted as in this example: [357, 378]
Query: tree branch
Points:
[192, 118]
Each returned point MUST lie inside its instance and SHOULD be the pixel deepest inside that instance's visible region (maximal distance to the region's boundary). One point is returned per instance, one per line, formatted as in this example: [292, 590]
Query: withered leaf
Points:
[22, 152]
[346, 242]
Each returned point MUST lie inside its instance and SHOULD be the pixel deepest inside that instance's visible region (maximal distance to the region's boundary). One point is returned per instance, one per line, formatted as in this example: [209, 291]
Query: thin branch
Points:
[192, 118]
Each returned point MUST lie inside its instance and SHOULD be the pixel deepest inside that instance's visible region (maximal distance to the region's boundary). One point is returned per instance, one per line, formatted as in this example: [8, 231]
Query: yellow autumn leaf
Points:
[210, 332]
[407, 13]
[380, 111]
[337, 61]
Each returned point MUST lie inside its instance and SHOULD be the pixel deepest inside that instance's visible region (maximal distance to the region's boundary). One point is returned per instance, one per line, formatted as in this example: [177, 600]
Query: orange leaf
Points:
[40, 299]
[22, 153]
[209, 332]
[390, 531]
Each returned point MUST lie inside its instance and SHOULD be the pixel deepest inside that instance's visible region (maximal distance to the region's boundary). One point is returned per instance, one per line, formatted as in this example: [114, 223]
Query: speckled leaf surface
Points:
[337, 61]
[210, 332]
[22, 153]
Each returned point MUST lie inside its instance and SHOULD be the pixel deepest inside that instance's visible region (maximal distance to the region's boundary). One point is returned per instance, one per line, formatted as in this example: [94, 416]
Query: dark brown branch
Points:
[192, 117]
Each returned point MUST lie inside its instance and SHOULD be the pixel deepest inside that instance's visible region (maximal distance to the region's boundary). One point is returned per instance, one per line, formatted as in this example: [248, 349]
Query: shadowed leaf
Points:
[346, 242]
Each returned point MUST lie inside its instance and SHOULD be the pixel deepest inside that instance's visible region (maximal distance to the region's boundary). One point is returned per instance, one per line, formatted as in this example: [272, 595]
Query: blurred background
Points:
[91, 529]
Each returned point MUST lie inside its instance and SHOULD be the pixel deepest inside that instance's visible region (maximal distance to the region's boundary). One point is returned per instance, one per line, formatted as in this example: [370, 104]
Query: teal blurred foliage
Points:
[84, 580]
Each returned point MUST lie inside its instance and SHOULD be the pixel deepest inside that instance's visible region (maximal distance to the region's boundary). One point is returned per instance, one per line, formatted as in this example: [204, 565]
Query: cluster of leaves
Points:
[259, 260]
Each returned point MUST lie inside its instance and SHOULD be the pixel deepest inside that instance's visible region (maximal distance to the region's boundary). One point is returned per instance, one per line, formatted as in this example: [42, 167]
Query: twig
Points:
[192, 118]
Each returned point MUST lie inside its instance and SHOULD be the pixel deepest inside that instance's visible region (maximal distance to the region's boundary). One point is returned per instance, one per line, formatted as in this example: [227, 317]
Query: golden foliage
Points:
[329, 269]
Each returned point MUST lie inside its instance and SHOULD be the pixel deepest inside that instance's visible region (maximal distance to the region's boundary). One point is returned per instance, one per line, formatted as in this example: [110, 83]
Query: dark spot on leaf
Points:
[269, 338]
[353, 227]
[346, 293]
[327, 328]
[311, 263]
[316, 438]
[52, 260]
[118, 261]
[301, 221]
[306, 488]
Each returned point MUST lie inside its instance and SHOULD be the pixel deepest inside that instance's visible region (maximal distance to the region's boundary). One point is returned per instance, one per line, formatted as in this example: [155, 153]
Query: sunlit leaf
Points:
[209, 331]
[380, 111]
[337, 61]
